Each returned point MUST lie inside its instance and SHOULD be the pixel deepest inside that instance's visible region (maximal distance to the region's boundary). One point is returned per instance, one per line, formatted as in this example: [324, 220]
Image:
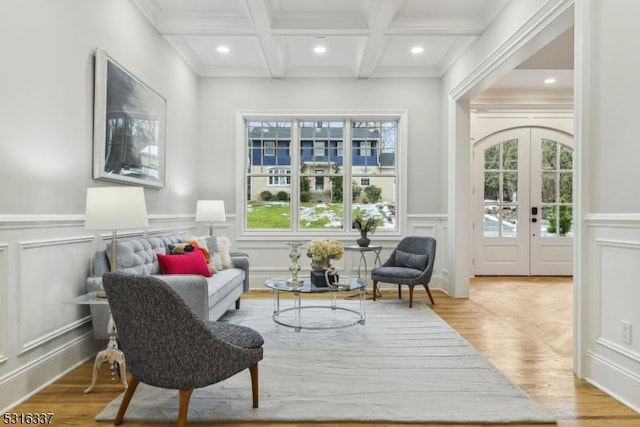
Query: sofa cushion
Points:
[224, 245]
[137, 256]
[223, 283]
[172, 239]
[180, 248]
[186, 263]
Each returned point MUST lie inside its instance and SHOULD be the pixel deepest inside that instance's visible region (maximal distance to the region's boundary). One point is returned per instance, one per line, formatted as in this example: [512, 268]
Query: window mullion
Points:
[346, 168]
[295, 174]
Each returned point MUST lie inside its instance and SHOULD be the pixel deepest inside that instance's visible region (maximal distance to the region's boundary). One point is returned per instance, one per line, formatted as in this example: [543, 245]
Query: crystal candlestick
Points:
[294, 268]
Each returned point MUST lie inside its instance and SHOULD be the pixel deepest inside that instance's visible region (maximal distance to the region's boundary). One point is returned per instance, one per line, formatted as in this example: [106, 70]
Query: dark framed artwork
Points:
[129, 127]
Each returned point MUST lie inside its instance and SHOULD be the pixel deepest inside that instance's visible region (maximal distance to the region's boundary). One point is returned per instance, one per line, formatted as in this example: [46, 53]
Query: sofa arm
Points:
[241, 260]
[192, 288]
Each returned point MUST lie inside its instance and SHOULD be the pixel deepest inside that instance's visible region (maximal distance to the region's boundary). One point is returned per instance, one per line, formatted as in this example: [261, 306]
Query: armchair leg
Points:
[128, 394]
[253, 370]
[429, 293]
[183, 409]
[410, 296]
[375, 289]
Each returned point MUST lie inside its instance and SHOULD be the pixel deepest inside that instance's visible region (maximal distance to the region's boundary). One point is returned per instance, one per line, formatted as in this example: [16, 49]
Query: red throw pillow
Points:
[187, 263]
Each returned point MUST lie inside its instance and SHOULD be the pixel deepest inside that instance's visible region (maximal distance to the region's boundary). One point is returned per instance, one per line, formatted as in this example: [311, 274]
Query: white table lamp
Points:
[210, 211]
[115, 208]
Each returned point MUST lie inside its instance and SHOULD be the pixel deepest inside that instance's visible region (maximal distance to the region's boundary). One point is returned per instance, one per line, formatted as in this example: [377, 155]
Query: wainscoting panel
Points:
[53, 289]
[612, 288]
[4, 304]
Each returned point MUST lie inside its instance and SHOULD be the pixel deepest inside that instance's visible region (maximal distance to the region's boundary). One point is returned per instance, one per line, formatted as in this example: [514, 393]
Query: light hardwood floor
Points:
[522, 325]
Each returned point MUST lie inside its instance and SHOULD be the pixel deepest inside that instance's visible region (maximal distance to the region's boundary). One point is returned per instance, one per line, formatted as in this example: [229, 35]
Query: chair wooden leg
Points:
[183, 409]
[128, 394]
[375, 289]
[410, 296]
[253, 369]
[429, 293]
[399, 292]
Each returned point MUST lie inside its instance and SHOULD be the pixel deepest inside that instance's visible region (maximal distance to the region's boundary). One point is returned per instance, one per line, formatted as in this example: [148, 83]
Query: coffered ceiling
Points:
[362, 38]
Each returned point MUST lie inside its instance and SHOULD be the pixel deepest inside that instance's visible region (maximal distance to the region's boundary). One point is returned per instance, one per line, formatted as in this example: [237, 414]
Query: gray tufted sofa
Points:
[208, 297]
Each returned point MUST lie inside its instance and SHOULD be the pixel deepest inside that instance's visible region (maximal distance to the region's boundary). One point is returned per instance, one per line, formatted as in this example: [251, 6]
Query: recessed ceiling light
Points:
[320, 49]
[223, 49]
[417, 50]
[549, 80]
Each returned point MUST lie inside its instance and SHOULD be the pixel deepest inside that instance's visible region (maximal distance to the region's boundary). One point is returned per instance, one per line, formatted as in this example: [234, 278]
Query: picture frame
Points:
[128, 128]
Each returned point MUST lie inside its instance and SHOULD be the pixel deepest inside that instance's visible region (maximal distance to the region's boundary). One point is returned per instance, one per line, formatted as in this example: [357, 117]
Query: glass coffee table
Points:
[317, 315]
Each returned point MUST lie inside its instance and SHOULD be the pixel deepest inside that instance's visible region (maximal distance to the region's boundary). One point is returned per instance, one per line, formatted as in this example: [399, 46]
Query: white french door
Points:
[522, 203]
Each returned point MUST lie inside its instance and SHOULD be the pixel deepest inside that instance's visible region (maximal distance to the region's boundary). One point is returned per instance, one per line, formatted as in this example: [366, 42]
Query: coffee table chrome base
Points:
[298, 327]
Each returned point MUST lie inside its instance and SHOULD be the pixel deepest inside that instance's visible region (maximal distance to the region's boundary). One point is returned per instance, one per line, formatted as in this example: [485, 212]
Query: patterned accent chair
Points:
[410, 264]
[166, 345]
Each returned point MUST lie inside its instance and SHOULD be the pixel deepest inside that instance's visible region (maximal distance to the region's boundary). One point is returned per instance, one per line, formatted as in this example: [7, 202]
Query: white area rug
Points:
[403, 365]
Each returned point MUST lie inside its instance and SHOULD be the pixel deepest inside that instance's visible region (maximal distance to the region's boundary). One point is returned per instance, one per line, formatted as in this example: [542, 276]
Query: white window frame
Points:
[296, 117]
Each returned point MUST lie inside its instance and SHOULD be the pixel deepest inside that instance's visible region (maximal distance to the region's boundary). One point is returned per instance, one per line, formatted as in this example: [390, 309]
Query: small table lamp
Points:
[115, 208]
[210, 211]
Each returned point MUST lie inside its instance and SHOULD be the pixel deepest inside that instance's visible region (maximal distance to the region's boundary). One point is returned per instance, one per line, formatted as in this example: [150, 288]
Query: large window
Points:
[306, 191]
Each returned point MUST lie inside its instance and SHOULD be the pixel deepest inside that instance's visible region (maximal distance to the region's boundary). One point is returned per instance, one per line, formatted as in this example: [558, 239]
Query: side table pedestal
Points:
[112, 354]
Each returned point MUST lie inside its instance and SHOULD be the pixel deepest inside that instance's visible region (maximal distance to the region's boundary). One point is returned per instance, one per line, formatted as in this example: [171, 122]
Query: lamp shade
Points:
[115, 208]
[210, 210]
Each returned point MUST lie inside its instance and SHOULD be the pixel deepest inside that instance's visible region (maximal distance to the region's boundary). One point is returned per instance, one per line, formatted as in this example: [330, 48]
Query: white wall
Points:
[607, 115]
[46, 124]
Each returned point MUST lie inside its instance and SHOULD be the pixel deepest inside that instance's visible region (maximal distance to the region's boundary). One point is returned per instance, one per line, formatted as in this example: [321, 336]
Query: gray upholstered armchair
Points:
[410, 264]
[166, 345]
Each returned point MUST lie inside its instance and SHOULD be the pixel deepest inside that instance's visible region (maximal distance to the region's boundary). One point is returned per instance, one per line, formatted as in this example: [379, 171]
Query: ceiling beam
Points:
[259, 12]
[379, 22]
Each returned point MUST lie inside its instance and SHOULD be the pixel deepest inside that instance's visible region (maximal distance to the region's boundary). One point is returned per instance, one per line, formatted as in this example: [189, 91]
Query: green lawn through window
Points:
[313, 215]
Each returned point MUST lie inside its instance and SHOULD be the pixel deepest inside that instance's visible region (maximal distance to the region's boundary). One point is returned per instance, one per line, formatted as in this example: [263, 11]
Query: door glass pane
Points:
[500, 222]
[509, 222]
[557, 189]
[549, 154]
[557, 220]
[491, 156]
[500, 189]
[547, 217]
[566, 158]
[566, 187]
[510, 154]
[548, 187]
[509, 186]
[491, 186]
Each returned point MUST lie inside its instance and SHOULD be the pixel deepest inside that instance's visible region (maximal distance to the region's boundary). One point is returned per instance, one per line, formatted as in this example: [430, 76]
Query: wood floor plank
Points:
[522, 325]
